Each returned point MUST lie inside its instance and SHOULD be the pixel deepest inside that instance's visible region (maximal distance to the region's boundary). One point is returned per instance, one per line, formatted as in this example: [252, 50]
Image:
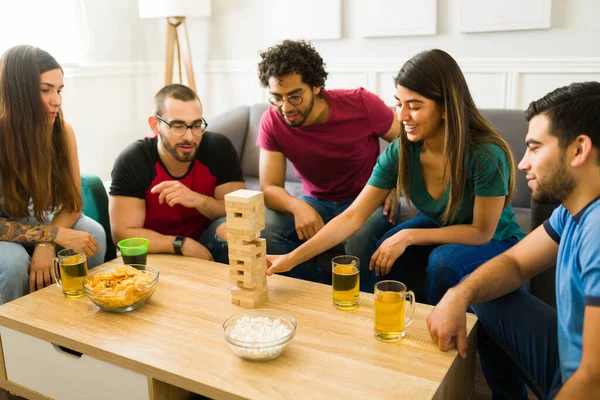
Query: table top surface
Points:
[177, 338]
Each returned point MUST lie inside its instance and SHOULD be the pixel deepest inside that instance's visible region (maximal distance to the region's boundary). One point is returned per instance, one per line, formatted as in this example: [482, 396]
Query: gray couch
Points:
[241, 126]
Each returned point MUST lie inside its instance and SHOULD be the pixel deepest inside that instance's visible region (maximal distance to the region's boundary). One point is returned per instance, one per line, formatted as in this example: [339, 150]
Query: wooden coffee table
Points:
[173, 346]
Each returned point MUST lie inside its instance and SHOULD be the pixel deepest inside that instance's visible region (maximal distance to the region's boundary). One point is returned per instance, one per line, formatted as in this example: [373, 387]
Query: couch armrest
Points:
[95, 206]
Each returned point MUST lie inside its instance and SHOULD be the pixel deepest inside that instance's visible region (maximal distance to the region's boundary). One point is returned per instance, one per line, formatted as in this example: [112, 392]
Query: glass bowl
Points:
[259, 335]
[122, 291]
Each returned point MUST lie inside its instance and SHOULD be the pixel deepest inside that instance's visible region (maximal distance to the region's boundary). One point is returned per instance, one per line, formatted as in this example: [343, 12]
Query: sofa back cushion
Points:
[241, 126]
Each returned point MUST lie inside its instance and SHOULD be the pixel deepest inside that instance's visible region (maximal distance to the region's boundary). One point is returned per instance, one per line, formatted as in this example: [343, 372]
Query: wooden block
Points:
[249, 298]
[255, 247]
[242, 235]
[234, 241]
[248, 280]
[247, 265]
[241, 208]
[252, 224]
[237, 259]
[245, 196]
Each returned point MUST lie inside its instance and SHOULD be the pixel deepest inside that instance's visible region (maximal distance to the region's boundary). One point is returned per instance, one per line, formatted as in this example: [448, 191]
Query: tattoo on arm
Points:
[11, 231]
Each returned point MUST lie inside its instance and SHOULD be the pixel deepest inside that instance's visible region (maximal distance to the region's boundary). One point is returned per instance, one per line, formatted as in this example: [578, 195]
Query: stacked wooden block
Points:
[247, 251]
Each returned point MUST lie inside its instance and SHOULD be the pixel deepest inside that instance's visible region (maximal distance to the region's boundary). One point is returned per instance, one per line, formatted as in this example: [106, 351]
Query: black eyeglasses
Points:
[295, 100]
[179, 128]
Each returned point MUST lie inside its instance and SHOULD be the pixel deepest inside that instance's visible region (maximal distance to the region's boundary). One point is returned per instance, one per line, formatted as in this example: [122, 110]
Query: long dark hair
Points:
[34, 156]
[435, 75]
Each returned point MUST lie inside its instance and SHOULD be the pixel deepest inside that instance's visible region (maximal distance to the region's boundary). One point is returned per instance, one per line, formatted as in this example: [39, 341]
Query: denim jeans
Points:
[518, 344]
[445, 264]
[16, 257]
[282, 238]
[217, 246]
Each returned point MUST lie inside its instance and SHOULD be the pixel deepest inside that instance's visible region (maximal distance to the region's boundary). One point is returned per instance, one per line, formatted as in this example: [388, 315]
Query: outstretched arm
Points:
[336, 231]
[497, 277]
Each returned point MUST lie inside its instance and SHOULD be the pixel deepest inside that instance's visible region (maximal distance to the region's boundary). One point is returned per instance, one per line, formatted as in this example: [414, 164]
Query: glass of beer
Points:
[346, 282]
[69, 270]
[390, 310]
[134, 250]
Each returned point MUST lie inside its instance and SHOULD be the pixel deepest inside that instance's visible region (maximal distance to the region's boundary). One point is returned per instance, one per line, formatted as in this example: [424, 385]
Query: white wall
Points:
[109, 96]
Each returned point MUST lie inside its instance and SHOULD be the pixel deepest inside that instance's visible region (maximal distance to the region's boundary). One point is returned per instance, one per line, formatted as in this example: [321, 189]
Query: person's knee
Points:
[279, 226]
[14, 271]
[221, 232]
[86, 224]
[441, 259]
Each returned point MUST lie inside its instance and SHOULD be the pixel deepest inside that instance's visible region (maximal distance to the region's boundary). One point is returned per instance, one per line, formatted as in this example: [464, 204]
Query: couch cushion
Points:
[513, 126]
[234, 125]
[293, 188]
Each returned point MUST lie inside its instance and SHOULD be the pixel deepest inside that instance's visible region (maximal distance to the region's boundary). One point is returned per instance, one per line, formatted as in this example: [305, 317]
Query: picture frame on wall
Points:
[293, 20]
[506, 15]
[384, 18]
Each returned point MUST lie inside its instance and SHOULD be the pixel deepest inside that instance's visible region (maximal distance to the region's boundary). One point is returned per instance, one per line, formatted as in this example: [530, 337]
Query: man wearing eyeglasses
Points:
[170, 188]
[331, 138]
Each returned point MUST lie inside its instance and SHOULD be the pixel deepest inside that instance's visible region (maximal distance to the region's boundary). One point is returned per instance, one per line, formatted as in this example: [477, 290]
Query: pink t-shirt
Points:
[335, 159]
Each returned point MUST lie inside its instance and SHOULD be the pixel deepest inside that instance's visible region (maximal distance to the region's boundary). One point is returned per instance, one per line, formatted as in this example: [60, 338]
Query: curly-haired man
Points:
[332, 139]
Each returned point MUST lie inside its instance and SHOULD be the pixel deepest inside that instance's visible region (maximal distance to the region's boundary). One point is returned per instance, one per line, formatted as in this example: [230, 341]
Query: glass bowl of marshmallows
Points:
[259, 335]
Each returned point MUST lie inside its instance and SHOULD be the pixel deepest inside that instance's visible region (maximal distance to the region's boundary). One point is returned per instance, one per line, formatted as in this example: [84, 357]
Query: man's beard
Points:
[187, 157]
[558, 186]
[301, 115]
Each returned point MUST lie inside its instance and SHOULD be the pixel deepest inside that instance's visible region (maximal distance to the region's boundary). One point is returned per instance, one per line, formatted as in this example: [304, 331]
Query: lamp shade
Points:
[173, 8]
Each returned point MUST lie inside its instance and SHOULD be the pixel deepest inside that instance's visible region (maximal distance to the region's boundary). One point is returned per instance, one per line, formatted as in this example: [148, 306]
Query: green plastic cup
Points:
[134, 250]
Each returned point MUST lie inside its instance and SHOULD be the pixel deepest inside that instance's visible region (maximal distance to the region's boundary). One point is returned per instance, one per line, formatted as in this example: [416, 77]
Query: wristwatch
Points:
[178, 244]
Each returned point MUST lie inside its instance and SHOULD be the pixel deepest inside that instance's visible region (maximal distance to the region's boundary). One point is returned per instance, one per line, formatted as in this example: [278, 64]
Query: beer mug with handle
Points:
[391, 317]
[69, 270]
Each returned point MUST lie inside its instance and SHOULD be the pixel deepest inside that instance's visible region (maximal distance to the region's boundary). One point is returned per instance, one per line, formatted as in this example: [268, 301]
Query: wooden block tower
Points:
[247, 251]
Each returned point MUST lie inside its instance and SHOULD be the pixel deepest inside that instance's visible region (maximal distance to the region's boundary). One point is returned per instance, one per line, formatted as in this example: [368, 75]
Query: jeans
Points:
[445, 264]
[15, 259]
[282, 238]
[518, 345]
[217, 246]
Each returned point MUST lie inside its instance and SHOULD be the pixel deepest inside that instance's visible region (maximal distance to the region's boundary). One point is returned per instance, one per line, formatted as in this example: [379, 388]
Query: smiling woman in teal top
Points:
[456, 170]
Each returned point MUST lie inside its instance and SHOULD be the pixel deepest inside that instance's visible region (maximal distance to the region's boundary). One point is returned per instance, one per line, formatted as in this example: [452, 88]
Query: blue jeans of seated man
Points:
[518, 344]
[445, 264]
[281, 236]
[217, 246]
[16, 257]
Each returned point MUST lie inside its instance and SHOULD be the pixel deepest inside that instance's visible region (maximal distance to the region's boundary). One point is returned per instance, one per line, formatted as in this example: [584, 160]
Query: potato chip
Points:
[120, 287]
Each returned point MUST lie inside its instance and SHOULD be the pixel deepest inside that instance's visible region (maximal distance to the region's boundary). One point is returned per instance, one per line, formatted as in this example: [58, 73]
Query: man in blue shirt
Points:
[522, 340]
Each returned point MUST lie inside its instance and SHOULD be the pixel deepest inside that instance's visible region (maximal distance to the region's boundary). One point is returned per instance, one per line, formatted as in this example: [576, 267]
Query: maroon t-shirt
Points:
[334, 160]
[139, 168]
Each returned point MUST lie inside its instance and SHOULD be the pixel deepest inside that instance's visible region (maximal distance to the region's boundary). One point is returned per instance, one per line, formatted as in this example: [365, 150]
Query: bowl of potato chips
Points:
[122, 288]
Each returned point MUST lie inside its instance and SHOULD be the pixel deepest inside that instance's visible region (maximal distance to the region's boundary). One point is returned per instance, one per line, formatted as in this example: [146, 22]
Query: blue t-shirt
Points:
[577, 277]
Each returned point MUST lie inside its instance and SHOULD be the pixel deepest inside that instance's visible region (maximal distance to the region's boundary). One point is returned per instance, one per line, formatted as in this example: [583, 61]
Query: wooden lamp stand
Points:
[177, 37]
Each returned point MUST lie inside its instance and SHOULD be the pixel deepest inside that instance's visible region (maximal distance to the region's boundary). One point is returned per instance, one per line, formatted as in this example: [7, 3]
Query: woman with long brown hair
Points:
[453, 167]
[40, 187]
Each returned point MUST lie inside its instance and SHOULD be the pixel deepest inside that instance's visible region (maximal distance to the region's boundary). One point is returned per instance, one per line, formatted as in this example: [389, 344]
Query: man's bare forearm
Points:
[210, 207]
[12, 231]
[495, 278]
[278, 199]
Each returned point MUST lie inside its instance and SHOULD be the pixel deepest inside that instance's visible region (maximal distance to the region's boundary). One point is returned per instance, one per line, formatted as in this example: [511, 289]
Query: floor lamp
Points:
[176, 12]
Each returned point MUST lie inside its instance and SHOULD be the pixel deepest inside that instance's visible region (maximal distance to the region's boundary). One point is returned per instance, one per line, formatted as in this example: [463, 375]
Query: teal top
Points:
[489, 172]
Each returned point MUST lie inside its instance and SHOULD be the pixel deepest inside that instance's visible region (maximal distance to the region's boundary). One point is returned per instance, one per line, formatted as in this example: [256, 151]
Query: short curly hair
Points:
[289, 57]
